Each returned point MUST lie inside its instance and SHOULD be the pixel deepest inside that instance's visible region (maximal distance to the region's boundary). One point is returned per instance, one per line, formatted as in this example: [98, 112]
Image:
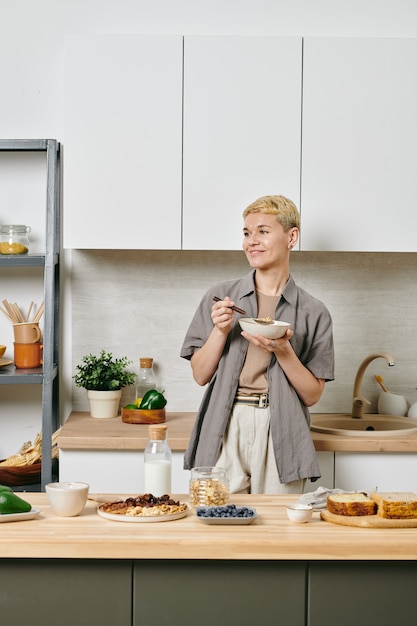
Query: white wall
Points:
[130, 293]
[140, 303]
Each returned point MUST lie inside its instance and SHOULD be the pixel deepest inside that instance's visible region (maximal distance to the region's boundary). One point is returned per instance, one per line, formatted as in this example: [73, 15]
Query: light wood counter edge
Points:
[83, 432]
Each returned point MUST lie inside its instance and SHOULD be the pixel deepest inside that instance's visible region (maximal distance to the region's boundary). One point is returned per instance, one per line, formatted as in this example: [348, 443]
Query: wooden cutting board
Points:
[367, 521]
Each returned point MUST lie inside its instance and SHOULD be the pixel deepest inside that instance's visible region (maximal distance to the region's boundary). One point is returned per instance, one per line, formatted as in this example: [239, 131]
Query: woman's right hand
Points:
[222, 315]
[204, 361]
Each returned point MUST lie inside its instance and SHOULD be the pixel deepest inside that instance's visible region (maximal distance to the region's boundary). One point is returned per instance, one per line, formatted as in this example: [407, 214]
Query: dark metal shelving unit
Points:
[48, 374]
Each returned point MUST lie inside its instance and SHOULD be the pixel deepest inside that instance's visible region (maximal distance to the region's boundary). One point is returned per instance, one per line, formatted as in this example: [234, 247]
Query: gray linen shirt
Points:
[290, 419]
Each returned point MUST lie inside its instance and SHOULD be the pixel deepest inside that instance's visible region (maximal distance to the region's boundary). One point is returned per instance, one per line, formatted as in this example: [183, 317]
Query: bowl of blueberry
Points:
[227, 514]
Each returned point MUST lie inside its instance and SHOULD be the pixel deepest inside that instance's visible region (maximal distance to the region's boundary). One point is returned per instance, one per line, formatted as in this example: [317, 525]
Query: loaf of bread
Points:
[351, 504]
[396, 505]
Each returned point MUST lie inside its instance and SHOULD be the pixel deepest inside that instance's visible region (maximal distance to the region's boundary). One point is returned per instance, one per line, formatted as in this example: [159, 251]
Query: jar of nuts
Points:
[14, 239]
[208, 486]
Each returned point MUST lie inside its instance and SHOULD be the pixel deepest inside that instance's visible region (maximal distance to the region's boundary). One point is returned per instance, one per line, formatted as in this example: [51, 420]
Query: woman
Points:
[254, 419]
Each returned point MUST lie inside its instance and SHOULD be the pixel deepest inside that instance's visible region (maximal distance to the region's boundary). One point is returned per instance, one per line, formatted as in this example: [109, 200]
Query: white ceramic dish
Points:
[67, 499]
[275, 330]
[138, 519]
[20, 517]
[299, 513]
[228, 521]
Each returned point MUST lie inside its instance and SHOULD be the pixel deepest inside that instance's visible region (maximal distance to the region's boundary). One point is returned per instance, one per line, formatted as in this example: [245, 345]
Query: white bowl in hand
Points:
[274, 330]
[67, 499]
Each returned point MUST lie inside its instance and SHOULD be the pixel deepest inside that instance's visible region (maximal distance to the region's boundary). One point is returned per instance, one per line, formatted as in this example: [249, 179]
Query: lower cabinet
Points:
[66, 592]
[351, 471]
[367, 471]
[116, 471]
[376, 471]
[241, 593]
[361, 592]
[326, 464]
[97, 468]
[104, 592]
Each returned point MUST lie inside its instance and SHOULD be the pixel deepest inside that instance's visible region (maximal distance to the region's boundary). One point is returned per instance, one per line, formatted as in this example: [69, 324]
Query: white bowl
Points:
[412, 411]
[299, 513]
[275, 330]
[392, 404]
[67, 499]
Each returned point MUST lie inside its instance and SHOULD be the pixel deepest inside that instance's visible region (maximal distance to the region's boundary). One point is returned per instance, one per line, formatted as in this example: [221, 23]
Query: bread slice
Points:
[351, 504]
[396, 505]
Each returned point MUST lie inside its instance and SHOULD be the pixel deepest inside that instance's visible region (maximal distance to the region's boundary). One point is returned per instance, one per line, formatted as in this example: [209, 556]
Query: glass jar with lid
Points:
[14, 239]
[209, 486]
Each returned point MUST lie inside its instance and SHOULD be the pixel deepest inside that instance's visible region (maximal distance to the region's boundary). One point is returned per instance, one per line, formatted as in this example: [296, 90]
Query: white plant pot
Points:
[104, 403]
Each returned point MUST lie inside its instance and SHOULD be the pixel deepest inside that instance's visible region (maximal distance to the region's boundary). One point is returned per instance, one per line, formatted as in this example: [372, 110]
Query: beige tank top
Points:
[253, 377]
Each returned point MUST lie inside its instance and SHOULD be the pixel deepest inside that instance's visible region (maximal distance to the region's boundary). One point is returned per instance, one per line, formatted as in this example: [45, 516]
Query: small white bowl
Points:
[67, 499]
[275, 330]
[299, 513]
[392, 404]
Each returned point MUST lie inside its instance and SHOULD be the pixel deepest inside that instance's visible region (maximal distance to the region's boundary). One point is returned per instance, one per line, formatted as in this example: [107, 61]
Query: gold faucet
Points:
[359, 401]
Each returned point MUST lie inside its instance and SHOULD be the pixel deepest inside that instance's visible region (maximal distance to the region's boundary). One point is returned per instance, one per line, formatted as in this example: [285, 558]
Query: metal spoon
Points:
[262, 320]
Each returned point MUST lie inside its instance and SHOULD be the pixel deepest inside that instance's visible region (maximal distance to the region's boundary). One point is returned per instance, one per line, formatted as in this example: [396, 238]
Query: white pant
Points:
[248, 455]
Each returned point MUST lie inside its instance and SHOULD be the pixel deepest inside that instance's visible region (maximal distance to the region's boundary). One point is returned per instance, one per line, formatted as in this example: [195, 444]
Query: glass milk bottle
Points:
[146, 379]
[158, 462]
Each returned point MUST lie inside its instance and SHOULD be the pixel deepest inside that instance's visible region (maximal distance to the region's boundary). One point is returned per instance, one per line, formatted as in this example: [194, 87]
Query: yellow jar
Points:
[14, 239]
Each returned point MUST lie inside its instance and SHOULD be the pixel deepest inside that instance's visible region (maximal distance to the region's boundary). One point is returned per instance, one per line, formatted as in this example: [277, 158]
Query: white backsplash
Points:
[140, 303]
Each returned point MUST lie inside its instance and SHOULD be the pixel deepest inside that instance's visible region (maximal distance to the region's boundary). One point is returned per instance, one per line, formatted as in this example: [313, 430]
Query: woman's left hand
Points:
[308, 387]
[269, 345]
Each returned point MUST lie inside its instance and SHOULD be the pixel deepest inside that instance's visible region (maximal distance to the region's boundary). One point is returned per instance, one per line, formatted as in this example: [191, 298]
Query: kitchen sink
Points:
[370, 425]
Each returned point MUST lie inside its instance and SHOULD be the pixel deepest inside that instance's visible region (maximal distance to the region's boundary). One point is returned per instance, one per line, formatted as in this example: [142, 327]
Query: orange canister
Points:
[28, 355]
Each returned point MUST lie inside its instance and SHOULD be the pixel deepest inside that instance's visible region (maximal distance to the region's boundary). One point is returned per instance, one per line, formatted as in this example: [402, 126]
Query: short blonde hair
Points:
[285, 210]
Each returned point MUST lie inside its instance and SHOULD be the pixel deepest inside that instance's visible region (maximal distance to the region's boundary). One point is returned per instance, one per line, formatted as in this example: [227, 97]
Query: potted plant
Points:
[104, 378]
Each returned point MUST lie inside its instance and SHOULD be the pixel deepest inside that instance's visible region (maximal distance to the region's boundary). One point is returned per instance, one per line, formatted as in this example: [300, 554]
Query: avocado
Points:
[11, 503]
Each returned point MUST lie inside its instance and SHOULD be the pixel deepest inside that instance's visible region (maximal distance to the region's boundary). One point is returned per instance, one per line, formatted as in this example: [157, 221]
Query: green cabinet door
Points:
[65, 592]
[362, 592]
[213, 593]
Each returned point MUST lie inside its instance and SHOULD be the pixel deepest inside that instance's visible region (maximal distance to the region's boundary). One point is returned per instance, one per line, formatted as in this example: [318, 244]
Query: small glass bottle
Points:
[14, 239]
[158, 462]
[146, 379]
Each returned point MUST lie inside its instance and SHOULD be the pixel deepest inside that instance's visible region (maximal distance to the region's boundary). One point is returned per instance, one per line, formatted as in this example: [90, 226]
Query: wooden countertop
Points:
[271, 536]
[83, 432]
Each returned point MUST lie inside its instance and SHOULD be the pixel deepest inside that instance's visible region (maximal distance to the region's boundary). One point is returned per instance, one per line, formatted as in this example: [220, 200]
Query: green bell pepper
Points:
[11, 503]
[5, 488]
[152, 400]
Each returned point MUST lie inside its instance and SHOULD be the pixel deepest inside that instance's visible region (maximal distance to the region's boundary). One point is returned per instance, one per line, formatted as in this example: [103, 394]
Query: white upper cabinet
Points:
[123, 141]
[242, 132]
[359, 157]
